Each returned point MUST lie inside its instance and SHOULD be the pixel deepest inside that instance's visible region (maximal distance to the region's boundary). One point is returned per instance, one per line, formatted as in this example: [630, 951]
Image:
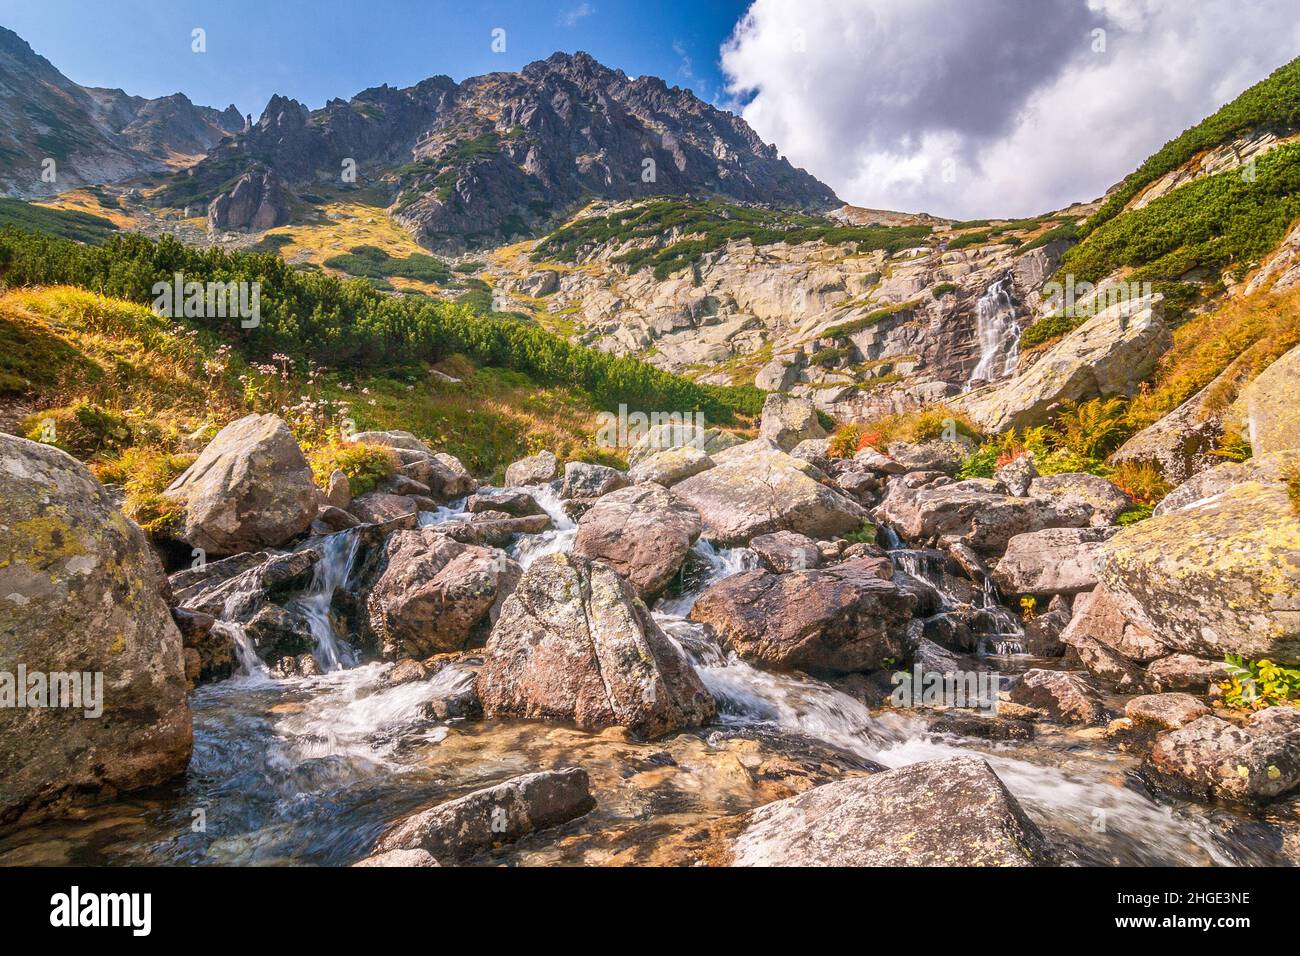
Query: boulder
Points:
[1185, 672]
[787, 421]
[207, 646]
[539, 469]
[584, 481]
[461, 828]
[661, 437]
[1043, 632]
[250, 488]
[1165, 711]
[377, 507]
[1099, 617]
[1221, 577]
[510, 501]
[642, 532]
[784, 551]
[1059, 695]
[764, 492]
[836, 620]
[1018, 475]
[493, 529]
[953, 812]
[1107, 501]
[92, 674]
[941, 456]
[814, 451]
[1267, 408]
[443, 475]
[404, 859]
[573, 642]
[1215, 481]
[1212, 757]
[435, 592]
[339, 491]
[1180, 444]
[669, 467]
[1051, 561]
[1106, 356]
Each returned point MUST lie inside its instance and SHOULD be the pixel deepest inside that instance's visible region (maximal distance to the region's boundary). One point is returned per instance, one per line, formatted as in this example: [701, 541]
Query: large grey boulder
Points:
[1106, 356]
[1272, 468]
[1107, 501]
[435, 592]
[841, 619]
[584, 481]
[459, 829]
[250, 488]
[670, 466]
[536, 469]
[787, 421]
[642, 532]
[1212, 757]
[953, 812]
[81, 594]
[1051, 561]
[573, 642]
[767, 491]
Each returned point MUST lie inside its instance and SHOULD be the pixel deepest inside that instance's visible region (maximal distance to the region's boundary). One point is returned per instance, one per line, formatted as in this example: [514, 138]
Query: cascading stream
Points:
[331, 573]
[998, 332]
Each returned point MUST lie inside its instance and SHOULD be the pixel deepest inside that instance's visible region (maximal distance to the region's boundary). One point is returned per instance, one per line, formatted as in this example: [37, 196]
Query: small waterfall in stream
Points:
[559, 540]
[331, 573]
[998, 331]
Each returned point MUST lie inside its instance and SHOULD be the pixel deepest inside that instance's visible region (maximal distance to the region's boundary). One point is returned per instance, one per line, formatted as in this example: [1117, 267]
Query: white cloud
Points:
[997, 108]
[572, 15]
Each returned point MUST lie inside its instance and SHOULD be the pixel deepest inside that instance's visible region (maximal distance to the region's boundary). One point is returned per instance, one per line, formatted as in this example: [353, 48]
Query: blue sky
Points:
[318, 50]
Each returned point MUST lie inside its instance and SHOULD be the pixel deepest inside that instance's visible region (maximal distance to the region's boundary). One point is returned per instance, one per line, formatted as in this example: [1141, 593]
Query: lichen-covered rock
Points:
[250, 488]
[1212, 757]
[1051, 561]
[1107, 501]
[434, 592]
[763, 492]
[536, 469]
[662, 437]
[939, 813]
[642, 532]
[585, 481]
[1268, 408]
[81, 593]
[1165, 711]
[478, 821]
[787, 421]
[670, 466]
[784, 551]
[936, 455]
[573, 642]
[1018, 474]
[836, 620]
[1268, 469]
[1059, 695]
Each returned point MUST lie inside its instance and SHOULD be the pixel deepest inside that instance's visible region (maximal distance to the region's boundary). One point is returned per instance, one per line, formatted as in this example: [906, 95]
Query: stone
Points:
[665, 436]
[1267, 408]
[836, 620]
[405, 859]
[1185, 672]
[461, 828]
[784, 551]
[1107, 501]
[953, 812]
[815, 451]
[1051, 561]
[1212, 757]
[1165, 711]
[213, 651]
[376, 507]
[573, 642]
[339, 491]
[435, 592]
[1268, 469]
[1099, 617]
[1018, 475]
[250, 488]
[1059, 695]
[81, 592]
[493, 529]
[787, 421]
[583, 480]
[642, 532]
[539, 469]
[510, 501]
[670, 466]
[763, 492]
[941, 456]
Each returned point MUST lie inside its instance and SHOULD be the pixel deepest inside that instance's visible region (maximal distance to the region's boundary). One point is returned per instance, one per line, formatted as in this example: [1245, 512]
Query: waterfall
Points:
[250, 665]
[530, 547]
[998, 331]
[332, 570]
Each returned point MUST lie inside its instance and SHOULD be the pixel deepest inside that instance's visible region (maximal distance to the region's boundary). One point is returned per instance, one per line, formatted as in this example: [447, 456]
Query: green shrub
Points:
[366, 466]
[82, 430]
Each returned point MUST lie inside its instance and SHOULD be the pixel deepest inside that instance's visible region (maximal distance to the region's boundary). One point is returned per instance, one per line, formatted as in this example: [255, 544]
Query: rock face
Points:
[1052, 561]
[434, 592]
[478, 821]
[535, 470]
[939, 813]
[250, 488]
[642, 532]
[81, 592]
[837, 620]
[256, 202]
[787, 421]
[766, 491]
[1222, 577]
[573, 642]
[1268, 408]
[1108, 355]
[1213, 757]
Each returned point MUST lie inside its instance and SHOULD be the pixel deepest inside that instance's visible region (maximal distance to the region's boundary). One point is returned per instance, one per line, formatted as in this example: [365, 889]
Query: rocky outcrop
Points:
[787, 421]
[250, 488]
[573, 642]
[1106, 356]
[1052, 561]
[1267, 408]
[1212, 757]
[938, 813]
[434, 592]
[642, 532]
[457, 830]
[539, 469]
[86, 642]
[837, 620]
[765, 491]
[257, 201]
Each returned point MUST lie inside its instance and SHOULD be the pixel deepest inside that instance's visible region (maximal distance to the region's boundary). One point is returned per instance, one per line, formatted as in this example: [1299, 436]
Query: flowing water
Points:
[315, 769]
[998, 333]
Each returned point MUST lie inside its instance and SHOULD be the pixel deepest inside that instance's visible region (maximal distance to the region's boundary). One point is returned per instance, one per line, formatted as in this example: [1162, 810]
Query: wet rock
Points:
[573, 642]
[459, 829]
[1212, 757]
[787, 421]
[538, 469]
[1051, 561]
[81, 591]
[1184, 672]
[278, 631]
[938, 813]
[250, 488]
[1077, 488]
[763, 492]
[515, 503]
[961, 723]
[585, 481]
[213, 651]
[1165, 711]
[434, 593]
[234, 589]
[670, 466]
[406, 671]
[642, 532]
[1059, 695]
[1267, 409]
[455, 694]
[784, 551]
[494, 529]
[835, 620]
[1018, 475]
[405, 859]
